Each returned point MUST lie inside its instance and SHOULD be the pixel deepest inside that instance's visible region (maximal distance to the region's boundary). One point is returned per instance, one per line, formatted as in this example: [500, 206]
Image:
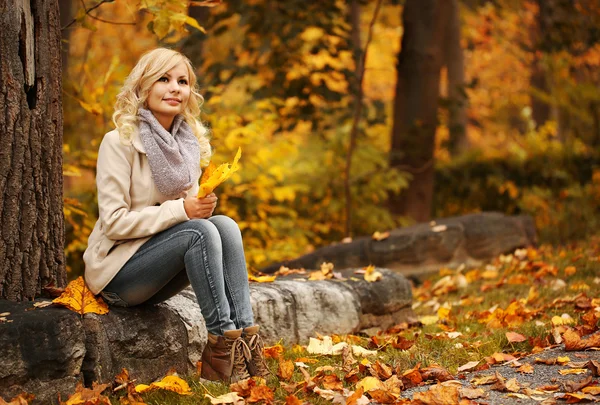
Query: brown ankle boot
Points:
[224, 357]
[256, 364]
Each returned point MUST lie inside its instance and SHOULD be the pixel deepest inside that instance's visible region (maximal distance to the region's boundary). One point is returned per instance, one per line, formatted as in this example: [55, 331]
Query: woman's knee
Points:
[225, 224]
[201, 231]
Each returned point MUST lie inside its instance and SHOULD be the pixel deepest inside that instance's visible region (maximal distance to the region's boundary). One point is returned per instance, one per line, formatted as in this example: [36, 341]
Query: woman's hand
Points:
[200, 207]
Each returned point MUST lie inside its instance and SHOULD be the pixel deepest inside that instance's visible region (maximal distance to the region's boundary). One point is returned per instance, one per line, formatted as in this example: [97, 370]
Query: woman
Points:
[153, 236]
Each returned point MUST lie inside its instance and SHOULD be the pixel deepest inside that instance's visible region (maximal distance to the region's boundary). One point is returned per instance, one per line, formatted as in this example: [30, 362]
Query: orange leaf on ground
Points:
[169, 383]
[526, 368]
[574, 342]
[382, 396]
[353, 399]
[378, 236]
[292, 400]
[436, 373]
[21, 399]
[88, 396]
[243, 387]
[437, 395]
[514, 337]
[78, 298]
[273, 352]
[286, 369]
[261, 393]
[332, 382]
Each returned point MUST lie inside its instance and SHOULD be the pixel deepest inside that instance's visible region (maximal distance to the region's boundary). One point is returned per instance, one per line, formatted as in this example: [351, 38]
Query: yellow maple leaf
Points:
[218, 175]
[78, 298]
[372, 275]
[169, 383]
[261, 279]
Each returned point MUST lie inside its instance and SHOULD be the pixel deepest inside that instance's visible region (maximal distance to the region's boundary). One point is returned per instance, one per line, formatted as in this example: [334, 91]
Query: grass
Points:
[509, 295]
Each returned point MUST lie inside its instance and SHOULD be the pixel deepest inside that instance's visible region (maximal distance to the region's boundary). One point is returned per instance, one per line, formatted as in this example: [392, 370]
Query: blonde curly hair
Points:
[151, 67]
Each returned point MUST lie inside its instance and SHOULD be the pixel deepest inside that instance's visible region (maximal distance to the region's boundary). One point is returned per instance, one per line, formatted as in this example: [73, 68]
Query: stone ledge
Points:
[48, 350]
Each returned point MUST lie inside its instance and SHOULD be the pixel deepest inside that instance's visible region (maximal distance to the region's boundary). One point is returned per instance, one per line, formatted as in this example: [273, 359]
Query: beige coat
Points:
[131, 209]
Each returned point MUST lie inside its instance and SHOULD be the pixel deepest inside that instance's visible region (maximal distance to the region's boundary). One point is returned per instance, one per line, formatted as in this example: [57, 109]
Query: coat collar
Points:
[136, 141]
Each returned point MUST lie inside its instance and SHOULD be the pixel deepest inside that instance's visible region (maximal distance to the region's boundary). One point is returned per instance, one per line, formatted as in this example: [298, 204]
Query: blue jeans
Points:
[206, 253]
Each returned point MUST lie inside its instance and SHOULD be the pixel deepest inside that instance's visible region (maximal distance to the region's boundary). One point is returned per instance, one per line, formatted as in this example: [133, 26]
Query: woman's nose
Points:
[174, 86]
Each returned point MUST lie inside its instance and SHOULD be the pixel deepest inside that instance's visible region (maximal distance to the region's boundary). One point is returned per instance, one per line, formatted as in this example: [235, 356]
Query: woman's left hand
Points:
[200, 207]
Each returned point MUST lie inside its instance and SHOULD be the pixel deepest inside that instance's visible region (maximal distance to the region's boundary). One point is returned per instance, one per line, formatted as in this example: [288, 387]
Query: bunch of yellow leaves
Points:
[212, 177]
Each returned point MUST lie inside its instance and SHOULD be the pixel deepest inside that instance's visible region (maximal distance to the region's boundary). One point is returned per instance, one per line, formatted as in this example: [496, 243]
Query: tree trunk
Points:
[416, 104]
[66, 16]
[31, 216]
[540, 110]
[457, 96]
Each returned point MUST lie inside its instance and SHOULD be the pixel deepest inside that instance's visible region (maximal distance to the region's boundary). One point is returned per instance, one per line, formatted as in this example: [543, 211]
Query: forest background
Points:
[515, 107]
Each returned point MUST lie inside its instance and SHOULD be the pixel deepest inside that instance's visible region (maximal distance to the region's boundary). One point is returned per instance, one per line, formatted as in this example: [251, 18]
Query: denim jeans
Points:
[206, 253]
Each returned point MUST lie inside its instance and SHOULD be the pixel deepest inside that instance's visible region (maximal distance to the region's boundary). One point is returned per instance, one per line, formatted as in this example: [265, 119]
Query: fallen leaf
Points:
[332, 382]
[379, 236]
[514, 337]
[78, 298]
[88, 396]
[570, 270]
[170, 383]
[573, 386]
[273, 352]
[573, 371]
[574, 342]
[369, 383]
[215, 177]
[229, 398]
[261, 279]
[361, 351]
[437, 395]
[372, 275]
[472, 393]
[575, 397]
[382, 396]
[326, 394]
[243, 387]
[468, 366]
[526, 368]
[348, 361]
[488, 379]
[285, 369]
[261, 393]
[42, 304]
[595, 390]
[21, 399]
[401, 343]
[292, 400]
[356, 398]
[381, 370]
[435, 373]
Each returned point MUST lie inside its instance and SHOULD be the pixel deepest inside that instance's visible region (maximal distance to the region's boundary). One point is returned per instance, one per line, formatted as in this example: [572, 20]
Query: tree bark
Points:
[31, 216]
[540, 110]
[416, 104]
[457, 96]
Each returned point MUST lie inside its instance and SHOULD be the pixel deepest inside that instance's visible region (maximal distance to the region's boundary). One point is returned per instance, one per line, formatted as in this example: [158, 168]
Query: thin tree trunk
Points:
[31, 216]
[540, 110]
[457, 96]
[416, 104]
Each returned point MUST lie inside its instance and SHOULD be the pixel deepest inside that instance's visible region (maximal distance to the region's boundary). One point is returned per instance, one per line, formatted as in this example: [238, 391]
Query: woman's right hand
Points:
[200, 207]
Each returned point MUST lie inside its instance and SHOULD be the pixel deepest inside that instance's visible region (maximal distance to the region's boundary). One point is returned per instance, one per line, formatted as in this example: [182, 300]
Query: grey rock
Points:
[41, 351]
[186, 306]
[468, 239]
[146, 340]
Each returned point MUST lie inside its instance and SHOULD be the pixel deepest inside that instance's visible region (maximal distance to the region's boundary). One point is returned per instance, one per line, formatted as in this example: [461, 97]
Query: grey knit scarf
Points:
[174, 157]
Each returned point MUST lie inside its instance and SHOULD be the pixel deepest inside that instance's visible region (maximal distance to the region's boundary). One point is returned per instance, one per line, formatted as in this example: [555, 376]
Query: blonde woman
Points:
[153, 236]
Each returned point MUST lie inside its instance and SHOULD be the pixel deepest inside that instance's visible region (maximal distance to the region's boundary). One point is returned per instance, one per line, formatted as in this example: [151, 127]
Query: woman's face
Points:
[169, 95]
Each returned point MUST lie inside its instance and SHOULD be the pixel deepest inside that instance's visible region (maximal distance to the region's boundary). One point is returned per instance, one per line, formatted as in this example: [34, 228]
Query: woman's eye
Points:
[183, 81]
[163, 79]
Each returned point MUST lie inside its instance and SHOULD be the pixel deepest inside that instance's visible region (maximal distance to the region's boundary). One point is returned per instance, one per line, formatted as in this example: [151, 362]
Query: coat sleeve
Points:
[113, 179]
